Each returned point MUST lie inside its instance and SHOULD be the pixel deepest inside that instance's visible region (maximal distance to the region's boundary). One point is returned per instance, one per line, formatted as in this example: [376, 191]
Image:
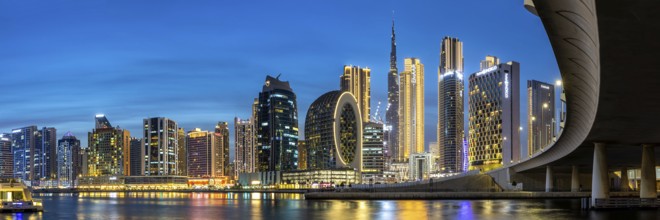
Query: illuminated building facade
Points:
[6, 157]
[45, 159]
[83, 158]
[23, 144]
[494, 116]
[277, 127]
[136, 157]
[450, 131]
[202, 153]
[392, 111]
[373, 156]
[221, 155]
[302, 155]
[489, 62]
[310, 178]
[182, 157]
[333, 132]
[68, 161]
[434, 149]
[161, 143]
[540, 115]
[357, 81]
[420, 166]
[106, 150]
[244, 148]
[411, 109]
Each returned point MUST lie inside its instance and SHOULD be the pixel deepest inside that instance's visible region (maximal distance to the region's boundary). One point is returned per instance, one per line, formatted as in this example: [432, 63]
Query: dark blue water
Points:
[235, 206]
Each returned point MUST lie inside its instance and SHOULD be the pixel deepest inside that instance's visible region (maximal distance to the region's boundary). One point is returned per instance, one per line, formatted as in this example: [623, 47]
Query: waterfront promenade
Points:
[82, 190]
[454, 195]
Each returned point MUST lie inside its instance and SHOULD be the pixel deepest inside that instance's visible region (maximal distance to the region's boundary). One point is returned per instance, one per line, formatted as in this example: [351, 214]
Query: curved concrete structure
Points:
[572, 27]
[606, 52]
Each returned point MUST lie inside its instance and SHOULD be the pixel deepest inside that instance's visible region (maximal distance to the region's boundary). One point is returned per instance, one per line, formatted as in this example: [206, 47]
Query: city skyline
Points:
[122, 63]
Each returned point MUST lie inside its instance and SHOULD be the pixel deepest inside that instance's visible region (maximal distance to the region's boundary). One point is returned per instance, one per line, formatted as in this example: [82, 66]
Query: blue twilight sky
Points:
[199, 62]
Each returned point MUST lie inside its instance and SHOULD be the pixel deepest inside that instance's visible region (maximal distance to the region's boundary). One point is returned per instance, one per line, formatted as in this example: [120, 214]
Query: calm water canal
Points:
[237, 206]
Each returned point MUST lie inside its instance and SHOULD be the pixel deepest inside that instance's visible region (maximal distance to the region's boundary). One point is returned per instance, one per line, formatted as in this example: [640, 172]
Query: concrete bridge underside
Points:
[607, 52]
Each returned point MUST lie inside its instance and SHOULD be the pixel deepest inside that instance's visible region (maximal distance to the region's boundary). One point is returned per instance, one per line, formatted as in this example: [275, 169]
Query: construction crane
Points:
[376, 117]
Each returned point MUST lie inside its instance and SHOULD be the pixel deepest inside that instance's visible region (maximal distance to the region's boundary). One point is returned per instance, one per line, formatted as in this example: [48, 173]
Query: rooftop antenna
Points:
[278, 76]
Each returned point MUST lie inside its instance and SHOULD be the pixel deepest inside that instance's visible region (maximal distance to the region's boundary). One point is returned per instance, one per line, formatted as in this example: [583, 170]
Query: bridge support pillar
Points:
[548, 179]
[599, 181]
[575, 179]
[625, 184]
[647, 189]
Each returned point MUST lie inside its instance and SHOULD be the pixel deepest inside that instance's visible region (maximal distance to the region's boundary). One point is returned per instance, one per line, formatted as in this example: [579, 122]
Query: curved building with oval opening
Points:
[333, 132]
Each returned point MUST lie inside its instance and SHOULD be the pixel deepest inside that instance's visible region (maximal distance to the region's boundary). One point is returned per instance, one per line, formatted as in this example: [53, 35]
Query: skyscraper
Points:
[373, 157]
[202, 151]
[392, 111]
[540, 115]
[450, 106]
[333, 128]
[277, 127]
[411, 109]
[23, 147]
[107, 147]
[45, 159]
[222, 154]
[68, 160]
[244, 146]
[161, 140]
[182, 158]
[136, 157]
[6, 157]
[357, 81]
[494, 116]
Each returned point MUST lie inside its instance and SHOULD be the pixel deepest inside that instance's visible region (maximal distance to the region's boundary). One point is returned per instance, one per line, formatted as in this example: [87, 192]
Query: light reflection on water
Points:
[234, 206]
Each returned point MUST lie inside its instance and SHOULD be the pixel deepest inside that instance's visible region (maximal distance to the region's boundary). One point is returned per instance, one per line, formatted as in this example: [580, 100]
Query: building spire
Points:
[393, 49]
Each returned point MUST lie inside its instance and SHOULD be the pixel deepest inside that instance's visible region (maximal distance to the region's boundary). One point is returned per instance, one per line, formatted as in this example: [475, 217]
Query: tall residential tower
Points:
[244, 146]
[357, 81]
[202, 151]
[221, 136]
[540, 115]
[23, 146]
[494, 116]
[68, 161]
[107, 146]
[6, 157]
[450, 106]
[161, 143]
[277, 127]
[411, 109]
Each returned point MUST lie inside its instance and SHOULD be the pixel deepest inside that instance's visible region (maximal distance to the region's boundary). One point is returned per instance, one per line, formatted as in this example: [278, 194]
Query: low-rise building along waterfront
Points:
[420, 166]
